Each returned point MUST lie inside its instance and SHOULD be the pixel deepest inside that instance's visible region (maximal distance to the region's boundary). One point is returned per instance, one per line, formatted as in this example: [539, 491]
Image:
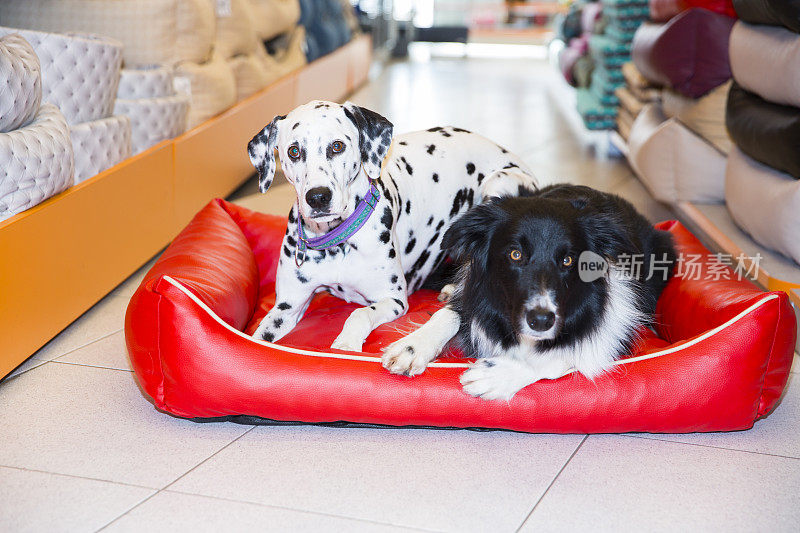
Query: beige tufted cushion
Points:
[251, 75]
[291, 57]
[99, 145]
[35, 162]
[274, 17]
[152, 31]
[705, 115]
[211, 88]
[20, 82]
[79, 72]
[154, 119]
[674, 163]
[235, 32]
[148, 82]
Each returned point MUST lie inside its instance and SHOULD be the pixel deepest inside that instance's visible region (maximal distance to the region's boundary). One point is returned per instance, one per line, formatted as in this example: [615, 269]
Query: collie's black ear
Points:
[608, 236]
[261, 150]
[470, 235]
[374, 137]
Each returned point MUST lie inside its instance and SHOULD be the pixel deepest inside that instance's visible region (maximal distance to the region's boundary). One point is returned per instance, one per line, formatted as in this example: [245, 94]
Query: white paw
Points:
[497, 378]
[262, 331]
[347, 343]
[408, 356]
[447, 292]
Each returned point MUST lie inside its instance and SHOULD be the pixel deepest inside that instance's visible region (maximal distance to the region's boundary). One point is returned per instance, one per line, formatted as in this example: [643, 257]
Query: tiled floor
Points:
[83, 450]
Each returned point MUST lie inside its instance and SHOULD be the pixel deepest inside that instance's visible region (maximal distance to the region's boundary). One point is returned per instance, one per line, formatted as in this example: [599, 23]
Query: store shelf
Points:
[62, 256]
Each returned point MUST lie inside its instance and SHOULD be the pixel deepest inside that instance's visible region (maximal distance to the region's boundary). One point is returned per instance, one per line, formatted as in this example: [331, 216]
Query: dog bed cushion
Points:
[154, 119]
[251, 74]
[80, 72]
[674, 163]
[150, 82]
[705, 115]
[99, 145]
[770, 12]
[153, 32]
[629, 102]
[36, 162]
[764, 202]
[689, 53]
[720, 361]
[235, 34]
[766, 61]
[211, 88]
[274, 17]
[595, 115]
[767, 132]
[20, 82]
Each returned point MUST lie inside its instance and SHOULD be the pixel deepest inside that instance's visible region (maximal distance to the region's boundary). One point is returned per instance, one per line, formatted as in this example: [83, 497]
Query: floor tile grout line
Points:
[555, 478]
[89, 343]
[297, 509]
[708, 446]
[87, 478]
[91, 366]
[159, 490]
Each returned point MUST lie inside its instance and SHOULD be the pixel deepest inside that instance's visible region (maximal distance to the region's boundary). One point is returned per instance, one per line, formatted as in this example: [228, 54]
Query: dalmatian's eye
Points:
[337, 147]
[294, 153]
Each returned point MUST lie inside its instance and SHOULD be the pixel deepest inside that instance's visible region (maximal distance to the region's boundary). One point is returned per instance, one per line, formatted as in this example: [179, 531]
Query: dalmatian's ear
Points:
[261, 149]
[374, 136]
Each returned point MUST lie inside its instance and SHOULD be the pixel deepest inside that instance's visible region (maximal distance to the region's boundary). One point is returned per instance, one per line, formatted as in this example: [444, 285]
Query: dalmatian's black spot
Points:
[384, 237]
[295, 126]
[430, 221]
[387, 219]
[283, 306]
[440, 225]
[372, 307]
[410, 245]
[292, 219]
[287, 252]
[431, 148]
[403, 143]
[339, 288]
[322, 104]
[408, 167]
[393, 279]
[301, 278]
[399, 302]
[396, 312]
[481, 177]
[503, 150]
[269, 337]
[408, 207]
[418, 264]
[291, 241]
[437, 128]
[392, 254]
[488, 363]
[445, 134]
[277, 322]
[511, 165]
[319, 256]
[433, 239]
[463, 196]
[436, 177]
[460, 130]
[470, 168]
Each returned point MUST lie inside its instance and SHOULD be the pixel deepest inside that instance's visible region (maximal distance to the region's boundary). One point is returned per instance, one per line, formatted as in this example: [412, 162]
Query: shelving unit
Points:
[62, 256]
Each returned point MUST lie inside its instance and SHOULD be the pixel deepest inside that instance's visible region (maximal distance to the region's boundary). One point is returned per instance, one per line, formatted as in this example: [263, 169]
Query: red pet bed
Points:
[719, 362]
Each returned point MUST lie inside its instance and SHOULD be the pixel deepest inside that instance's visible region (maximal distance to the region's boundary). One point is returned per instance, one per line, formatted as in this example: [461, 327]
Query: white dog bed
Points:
[80, 73]
[153, 31]
[211, 88]
[154, 119]
[20, 82]
[674, 163]
[764, 202]
[36, 162]
[150, 82]
[705, 115]
[274, 17]
[766, 60]
[99, 145]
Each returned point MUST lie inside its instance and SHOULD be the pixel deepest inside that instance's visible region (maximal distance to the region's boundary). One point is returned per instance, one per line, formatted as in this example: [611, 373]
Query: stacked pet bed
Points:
[688, 57]
[763, 117]
[156, 111]
[36, 157]
[637, 92]
[80, 74]
[718, 360]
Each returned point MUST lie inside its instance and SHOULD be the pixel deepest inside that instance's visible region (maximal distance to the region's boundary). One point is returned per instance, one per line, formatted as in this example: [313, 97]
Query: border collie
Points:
[554, 280]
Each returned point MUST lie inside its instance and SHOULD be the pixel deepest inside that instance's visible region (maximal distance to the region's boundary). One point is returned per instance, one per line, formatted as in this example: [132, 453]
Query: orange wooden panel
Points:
[60, 257]
[326, 78]
[211, 160]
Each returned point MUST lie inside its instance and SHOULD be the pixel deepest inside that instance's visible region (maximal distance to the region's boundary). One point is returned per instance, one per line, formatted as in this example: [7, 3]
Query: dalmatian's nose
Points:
[319, 197]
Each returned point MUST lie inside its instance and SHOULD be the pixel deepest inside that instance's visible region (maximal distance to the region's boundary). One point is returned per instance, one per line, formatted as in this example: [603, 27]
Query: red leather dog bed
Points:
[720, 361]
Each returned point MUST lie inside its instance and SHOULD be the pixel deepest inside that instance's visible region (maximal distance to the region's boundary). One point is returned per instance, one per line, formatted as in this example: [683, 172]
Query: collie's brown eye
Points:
[515, 255]
[567, 261]
[294, 153]
[337, 147]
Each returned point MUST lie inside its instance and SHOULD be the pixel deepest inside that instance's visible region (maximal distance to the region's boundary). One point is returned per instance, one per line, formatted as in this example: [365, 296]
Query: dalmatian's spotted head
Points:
[323, 146]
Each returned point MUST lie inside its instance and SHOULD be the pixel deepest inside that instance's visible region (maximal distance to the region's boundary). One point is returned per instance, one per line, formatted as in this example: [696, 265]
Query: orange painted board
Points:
[360, 60]
[62, 256]
[211, 160]
[326, 78]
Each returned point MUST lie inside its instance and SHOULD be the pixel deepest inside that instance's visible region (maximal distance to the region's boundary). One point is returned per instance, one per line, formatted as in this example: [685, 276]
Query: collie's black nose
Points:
[319, 197]
[540, 319]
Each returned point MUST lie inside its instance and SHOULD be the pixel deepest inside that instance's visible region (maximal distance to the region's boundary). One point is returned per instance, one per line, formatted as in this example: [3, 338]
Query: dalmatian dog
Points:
[330, 153]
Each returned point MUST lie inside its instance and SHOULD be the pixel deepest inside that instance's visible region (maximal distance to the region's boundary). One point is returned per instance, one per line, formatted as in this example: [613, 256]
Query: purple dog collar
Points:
[343, 231]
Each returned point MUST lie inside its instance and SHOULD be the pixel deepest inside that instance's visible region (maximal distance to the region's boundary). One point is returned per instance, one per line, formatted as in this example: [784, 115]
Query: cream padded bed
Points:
[99, 145]
[154, 119]
[211, 88]
[36, 162]
[274, 17]
[152, 31]
[20, 82]
[148, 82]
[705, 115]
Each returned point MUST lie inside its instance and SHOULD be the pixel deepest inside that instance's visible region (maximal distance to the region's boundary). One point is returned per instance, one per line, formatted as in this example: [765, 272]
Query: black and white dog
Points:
[557, 280]
[332, 154]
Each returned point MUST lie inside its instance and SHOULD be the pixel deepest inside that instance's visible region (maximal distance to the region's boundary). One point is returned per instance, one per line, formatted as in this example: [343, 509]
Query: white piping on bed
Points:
[377, 359]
